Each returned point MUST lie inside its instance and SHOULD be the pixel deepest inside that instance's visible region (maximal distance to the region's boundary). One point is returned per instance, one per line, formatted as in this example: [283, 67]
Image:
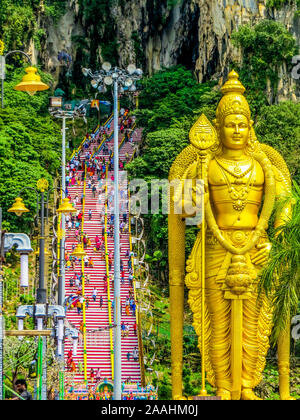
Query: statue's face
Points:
[235, 131]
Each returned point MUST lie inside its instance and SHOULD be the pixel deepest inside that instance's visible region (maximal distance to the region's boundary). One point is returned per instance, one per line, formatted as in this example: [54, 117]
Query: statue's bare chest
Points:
[236, 187]
[223, 172]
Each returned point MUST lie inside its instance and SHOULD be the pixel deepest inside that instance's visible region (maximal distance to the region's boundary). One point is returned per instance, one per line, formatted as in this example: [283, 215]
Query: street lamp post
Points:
[31, 82]
[41, 311]
[19, 208]
[121, 80]
[56, 111]
[7, 241]
[41, 291]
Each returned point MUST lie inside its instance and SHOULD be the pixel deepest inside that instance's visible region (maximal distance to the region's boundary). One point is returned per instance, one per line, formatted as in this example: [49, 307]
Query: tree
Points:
[280, 279]
[265, 47]
[18, 356]
[170, 95]
[279, 126]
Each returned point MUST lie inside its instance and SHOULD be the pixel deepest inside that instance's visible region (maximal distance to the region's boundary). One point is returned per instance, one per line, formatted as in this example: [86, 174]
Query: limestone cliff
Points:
[162, 33]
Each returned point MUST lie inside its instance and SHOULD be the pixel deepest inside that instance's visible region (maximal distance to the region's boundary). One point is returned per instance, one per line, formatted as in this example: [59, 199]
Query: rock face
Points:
[161, 33]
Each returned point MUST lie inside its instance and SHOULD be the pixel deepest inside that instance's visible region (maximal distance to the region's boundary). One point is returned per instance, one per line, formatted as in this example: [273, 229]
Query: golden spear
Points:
[203, 136]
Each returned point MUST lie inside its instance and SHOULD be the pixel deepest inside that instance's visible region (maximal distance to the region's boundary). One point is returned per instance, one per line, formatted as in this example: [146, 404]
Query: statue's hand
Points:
[262, 256]
[197, 195]
[192, 200]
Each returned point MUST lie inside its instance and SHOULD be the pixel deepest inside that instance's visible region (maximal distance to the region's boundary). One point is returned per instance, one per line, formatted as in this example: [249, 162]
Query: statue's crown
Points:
[233, 85]
[233, 101]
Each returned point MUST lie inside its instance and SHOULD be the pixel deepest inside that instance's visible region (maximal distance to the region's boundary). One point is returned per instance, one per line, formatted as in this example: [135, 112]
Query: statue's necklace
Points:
[237, 171]
[265, 214]
[238, 195]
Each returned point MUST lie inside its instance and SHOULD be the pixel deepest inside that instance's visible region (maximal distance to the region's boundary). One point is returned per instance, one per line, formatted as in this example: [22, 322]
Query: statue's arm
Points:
[262, 255]
[283, 192]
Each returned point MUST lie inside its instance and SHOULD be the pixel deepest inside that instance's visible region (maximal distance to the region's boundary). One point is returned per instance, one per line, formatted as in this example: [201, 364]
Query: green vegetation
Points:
[101, 26]
[173, 3]
[265, 47]
[278, 126]
[18, 358]
[157, 347]
[13, 298]
[279, 4]
[55, 8]
[20, 362]
[17, 22]
[33, 140]
[284, 265]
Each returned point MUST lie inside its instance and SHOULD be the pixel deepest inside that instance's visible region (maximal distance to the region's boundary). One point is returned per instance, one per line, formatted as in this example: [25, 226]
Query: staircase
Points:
[95, 348]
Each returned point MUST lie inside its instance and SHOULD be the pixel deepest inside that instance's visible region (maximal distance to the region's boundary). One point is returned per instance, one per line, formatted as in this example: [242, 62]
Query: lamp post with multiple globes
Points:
[121, 80]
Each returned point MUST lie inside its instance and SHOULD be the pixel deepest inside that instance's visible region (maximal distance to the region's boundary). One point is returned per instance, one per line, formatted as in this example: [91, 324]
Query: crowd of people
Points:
[93, 164]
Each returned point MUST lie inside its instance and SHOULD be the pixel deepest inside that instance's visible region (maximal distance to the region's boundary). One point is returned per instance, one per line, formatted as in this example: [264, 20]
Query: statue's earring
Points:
[252, 142]
[216, 148]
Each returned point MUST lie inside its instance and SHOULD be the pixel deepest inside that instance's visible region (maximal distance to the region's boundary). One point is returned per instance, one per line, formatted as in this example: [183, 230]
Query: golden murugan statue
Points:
[242, 179]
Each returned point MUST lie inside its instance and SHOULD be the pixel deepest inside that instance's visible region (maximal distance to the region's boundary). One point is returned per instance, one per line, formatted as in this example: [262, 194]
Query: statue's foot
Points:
[224, 394]
[248, 395]
[287, 397]
[179, 398]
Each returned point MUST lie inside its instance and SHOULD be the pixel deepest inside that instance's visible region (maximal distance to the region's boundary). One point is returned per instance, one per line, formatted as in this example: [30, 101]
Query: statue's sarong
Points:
[257, 315]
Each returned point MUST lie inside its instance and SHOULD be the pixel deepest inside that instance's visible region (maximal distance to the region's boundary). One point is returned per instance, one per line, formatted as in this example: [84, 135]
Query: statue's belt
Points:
[238, 238]
[219, 261]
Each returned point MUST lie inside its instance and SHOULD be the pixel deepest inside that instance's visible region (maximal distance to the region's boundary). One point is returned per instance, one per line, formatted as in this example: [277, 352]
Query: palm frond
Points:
[280, 278]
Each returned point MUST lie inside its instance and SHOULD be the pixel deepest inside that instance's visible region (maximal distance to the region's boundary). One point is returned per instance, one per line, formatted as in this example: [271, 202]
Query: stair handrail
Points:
[137, 311]
[104, 137]
[123, 139]
[85, 138]
[83, 284]
[59, 236]
[108, 282]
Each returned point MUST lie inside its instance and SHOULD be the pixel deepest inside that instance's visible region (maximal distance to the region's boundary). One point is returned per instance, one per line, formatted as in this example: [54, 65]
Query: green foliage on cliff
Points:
[19, 20]
[284, 265]
[101, 27]
[171, 101]
[278, 4]
[171, 96]
[55, 8]
[279, 126]
[265, 47]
